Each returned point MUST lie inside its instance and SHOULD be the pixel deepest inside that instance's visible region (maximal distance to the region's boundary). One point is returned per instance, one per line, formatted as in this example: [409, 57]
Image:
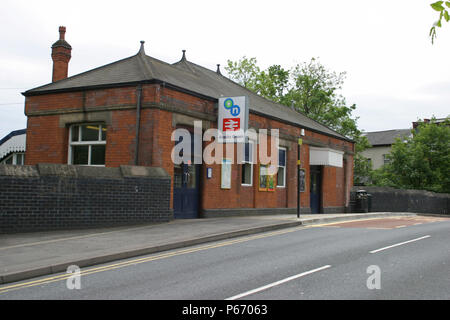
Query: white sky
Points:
[394, 74]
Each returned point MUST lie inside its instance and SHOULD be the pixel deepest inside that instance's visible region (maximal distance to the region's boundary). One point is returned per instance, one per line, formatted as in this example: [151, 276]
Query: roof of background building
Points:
[13, 142]
[384, 138]
[184, 75]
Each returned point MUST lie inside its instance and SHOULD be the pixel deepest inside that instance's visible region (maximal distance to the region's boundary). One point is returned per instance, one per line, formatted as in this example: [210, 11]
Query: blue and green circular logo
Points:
[228, 104]
[234, 109]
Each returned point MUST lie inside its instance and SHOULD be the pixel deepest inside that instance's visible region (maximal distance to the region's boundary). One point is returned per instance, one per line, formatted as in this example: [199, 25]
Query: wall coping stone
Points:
[140, 171]
[72, 171]
[18, 171]
[400, 191]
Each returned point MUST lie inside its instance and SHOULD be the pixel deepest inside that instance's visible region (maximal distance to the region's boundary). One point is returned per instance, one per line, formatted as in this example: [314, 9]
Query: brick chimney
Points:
[61, 54]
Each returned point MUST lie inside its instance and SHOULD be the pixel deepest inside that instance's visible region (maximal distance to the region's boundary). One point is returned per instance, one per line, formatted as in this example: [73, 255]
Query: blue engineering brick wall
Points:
[51, 197]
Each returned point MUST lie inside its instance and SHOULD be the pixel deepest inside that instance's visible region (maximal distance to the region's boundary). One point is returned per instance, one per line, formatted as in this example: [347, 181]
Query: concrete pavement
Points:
[28, 255]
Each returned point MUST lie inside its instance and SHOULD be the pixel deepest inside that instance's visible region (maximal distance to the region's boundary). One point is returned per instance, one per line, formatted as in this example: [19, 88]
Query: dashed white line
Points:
[271, 285]
[399, 244]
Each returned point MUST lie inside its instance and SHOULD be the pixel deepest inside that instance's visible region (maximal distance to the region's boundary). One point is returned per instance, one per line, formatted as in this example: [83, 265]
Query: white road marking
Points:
[271, 285]
[399, 244]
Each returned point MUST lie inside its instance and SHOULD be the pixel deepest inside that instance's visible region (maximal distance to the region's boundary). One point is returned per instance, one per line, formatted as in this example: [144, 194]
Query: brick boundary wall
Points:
[386, 199]
[53, 197]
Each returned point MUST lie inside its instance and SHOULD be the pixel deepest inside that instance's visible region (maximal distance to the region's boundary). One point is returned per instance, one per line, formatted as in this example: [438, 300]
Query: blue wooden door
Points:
[186, 191]
[186, 188]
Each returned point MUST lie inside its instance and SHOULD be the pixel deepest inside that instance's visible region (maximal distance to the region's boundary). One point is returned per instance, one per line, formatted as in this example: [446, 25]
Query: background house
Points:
[381, 142]
[439, 121]
[12, 148]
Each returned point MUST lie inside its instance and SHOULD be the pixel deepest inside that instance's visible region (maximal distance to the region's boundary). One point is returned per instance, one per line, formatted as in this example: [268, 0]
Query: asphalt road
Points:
[340, 261]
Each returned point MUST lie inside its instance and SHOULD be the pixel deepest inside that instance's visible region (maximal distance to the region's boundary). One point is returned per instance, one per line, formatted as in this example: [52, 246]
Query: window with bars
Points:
[87, 144]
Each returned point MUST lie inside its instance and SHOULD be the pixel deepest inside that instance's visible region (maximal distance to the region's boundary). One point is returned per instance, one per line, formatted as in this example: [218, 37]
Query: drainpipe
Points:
[138, 123]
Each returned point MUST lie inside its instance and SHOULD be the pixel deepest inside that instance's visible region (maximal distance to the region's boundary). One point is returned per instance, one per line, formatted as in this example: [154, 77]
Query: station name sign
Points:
[232, 119]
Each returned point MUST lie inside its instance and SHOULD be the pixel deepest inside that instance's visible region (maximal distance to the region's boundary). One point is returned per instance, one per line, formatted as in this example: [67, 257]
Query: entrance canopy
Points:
[325, 157]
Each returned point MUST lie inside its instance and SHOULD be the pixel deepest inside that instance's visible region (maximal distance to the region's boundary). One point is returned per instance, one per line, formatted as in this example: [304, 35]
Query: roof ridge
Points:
[12, 134]
[387, 130]
[261, 97]
[183, 74]
[147, 67]
[185, 62]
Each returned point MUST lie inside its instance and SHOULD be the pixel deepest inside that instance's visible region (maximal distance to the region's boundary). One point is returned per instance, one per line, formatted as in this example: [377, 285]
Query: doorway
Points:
[186, 191]
[315, 191]
[186, 186]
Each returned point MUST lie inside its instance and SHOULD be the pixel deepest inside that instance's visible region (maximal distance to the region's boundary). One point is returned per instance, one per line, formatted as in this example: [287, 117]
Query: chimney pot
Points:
[62, 32]
[61, 54]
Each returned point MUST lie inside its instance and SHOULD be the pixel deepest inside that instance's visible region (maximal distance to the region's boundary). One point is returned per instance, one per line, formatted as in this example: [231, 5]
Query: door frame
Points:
[318, 171]
[199, 177]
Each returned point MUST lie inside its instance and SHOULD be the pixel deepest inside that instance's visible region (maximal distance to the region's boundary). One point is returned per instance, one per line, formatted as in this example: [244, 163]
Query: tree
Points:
[362, 169]
[311, 89]
[245, 72]
[315, 93]
[270, 84]
[421, 162]
[273, 83]
[443, 14]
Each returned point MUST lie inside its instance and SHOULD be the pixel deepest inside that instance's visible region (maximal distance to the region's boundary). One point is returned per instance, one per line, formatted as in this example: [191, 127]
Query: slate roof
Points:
[384, 138]
[184, 75]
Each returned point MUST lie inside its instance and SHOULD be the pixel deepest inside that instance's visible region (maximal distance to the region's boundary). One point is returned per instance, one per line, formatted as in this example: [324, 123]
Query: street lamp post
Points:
[300, 141]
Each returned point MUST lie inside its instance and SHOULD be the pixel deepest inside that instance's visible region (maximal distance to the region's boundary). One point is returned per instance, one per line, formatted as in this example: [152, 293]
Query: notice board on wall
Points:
[226, 174]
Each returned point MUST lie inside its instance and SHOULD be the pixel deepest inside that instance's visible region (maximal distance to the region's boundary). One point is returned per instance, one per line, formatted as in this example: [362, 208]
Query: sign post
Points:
[232, 119]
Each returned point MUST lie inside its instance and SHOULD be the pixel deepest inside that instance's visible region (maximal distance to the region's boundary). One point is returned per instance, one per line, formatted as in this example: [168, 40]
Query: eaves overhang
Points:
[177, 88]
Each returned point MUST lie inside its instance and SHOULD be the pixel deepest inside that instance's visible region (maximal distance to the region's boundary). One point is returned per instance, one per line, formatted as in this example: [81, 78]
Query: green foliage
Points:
[421, 162]
[273, 83]
[315, 93]
[443, 14]
[315, 87]
[362, 167]
[245, 72]
[381, 177]
[308, 87]
[311, 89]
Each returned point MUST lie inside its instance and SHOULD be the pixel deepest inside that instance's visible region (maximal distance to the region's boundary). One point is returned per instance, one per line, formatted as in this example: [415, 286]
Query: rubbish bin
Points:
[362, 203]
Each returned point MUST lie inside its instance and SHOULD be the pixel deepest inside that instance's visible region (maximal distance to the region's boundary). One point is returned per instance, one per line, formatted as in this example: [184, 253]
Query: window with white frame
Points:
[281, 175]
[247, 165]
[87, 144]
[15, 158]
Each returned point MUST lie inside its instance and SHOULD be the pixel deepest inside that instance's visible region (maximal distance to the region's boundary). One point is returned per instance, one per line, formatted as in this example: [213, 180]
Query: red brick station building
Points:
[124, 113]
